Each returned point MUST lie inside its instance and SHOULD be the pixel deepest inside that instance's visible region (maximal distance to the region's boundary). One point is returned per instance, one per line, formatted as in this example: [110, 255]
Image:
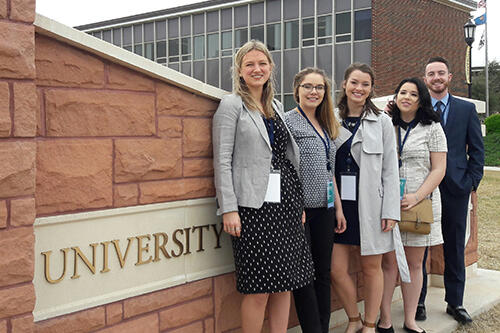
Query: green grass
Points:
[492, 149]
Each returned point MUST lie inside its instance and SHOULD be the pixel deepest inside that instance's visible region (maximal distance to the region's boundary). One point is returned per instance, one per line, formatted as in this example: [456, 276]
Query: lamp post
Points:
[469, 33]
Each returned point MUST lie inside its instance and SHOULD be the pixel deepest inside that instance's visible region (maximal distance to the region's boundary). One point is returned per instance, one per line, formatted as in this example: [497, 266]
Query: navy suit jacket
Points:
[463, 133]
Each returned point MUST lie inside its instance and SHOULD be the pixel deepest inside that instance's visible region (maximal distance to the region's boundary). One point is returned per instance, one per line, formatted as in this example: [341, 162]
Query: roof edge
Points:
[48, 27]
[463, 5]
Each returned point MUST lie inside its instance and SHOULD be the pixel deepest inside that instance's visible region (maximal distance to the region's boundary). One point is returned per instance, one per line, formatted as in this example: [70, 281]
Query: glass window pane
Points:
[289, 103]
[362, 52]
[323, 6]
[274, 37]
[199, 70]
[198, 24]
[307, 59]
[343, 23]
[273, 10]
[199, 47]
[138, 49]
[342, 61]
[137, 33]
[106, 35]
[341, 5]
[186, 45]
[174, 66]
[173, 27]
[309, 42]
[213, 45]
[186, 68]
[213, 72]
[127, 35]
[358, 4]
[257, 33]
[324, 59]
[185, 25]
[128, 48]
[149, 32]
[344, 38]
[291, 34]
[290, 68]
[291, 10]
[161, 30]
[226, 18]
[256, 13]
[161, 49]
[363, 24]
[325, 26]
[308, 28]
[227, 40]
[213, 21]
[117, 36]
[240, 37]
[148, 51]
[308, 8]
[97, 34]
[173, 47]
[240, 16]
[226, 80]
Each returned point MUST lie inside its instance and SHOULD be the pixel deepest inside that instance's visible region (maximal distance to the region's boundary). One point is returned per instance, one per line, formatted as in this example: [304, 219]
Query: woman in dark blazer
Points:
[259, 193]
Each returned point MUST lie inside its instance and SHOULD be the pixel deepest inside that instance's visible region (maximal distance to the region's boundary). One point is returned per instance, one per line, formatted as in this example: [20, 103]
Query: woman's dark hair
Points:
[369, 105]
[425, 113]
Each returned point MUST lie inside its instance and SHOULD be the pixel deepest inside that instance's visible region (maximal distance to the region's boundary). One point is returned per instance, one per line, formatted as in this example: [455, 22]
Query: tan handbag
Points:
[418, 219]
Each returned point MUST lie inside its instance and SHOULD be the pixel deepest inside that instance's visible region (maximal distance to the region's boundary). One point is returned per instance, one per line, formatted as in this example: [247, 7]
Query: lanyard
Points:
[326, 141]
[349, 142]
[401, 144]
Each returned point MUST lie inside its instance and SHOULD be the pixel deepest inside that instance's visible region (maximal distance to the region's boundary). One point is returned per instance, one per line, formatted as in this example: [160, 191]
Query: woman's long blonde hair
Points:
[324, 111]
[240, 87]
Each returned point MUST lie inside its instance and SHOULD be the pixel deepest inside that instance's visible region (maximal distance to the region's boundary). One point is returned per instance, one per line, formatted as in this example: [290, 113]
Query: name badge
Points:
[348, 186]
[402, 184]
[330, 194]
[273, 193]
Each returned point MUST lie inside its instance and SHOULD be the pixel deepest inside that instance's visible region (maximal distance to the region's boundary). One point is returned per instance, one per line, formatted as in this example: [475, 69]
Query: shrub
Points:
[492, 149]
[493, 123]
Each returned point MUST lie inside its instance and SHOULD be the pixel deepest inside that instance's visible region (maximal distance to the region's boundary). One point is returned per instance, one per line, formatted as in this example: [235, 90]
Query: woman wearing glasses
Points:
[314, 127]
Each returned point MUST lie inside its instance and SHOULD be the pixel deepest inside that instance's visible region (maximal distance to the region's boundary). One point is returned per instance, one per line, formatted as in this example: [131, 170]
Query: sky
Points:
[78, 12]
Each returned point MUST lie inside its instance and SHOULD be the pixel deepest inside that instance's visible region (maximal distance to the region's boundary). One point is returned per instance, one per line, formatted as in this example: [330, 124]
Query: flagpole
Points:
[486, 66]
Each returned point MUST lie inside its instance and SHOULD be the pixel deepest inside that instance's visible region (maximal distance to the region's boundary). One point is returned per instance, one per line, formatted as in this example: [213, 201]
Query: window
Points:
[173, 27]
[227, 43]
[343, 27]
[256, 13]
[117, 36]
[138, 49]
[161, 30]
[199, 47]
[198, 24]
[324, 29]
[240, 37]
[363, 24]
[97, 34]
[161, 49]
[106, 35]
[291, 34]
[241, 16]
[186, 48]
[308, 32]
[173, 50]
[137, 33]
[257, 33]
[212, 21]
[149, 51]
[289, 102]
[226, 18]
[127, 36]
[274, 37]
[213, 45]
[185, 25]
[149, 32]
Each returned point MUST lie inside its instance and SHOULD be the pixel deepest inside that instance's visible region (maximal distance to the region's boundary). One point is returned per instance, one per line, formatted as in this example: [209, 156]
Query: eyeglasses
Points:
[309, 87]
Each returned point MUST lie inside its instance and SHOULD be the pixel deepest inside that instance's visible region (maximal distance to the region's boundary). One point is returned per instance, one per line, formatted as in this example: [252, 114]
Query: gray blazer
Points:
[242, 154]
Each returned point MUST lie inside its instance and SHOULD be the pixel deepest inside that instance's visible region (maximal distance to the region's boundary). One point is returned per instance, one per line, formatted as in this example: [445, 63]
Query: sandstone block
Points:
[114, 313]
[16, 251]
[25, 109]
[209, 325]
[58, 64]
[3, 326]
[148, 324]
[161, 299]
[126, 195]
[186, 313]
[120, 77]
[174, 101]
[79, 322]
[196, 327]
[99, 113]
[199, 167]
[17, 51]
[171, 190]
[3, 14]
[17, 300]
[5, 121]
[170, 127]
[73, 175]
[23, 324]
[147, 159]
[197, 137]
[3, 214]
[22, 212]
[40, 128]
[227, 303]
[17, 168]
[22, 10]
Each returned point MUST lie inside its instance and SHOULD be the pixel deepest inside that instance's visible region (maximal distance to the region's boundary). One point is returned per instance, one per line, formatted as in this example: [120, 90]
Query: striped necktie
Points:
[439, 110]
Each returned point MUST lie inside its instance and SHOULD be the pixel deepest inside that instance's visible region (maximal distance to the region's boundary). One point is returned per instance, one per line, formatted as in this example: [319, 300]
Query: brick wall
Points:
[406, 33]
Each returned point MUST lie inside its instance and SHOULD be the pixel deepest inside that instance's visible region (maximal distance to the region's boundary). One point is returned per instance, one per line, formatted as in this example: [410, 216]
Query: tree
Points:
[479, 86]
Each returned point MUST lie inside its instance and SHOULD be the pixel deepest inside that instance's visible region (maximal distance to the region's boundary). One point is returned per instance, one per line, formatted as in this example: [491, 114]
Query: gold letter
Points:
[119, 251]
[47, 266]
[179, 243]
[217, 234]
[78, 253]
[141, 249]
[161, 247]
[200, 236]
[105, 267]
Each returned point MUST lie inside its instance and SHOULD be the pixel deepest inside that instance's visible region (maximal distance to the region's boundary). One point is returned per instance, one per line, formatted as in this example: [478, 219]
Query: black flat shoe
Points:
[409, 330]
[421, 314]
[459, 314]
[384, 330]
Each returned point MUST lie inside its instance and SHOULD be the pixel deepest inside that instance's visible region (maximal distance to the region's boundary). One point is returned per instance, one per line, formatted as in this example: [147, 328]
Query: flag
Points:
[482, 41]
[480, 19]
[481, 4]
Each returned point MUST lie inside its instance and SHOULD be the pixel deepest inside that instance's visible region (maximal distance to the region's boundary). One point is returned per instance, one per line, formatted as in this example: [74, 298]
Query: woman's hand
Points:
[232, 223]
[341, 221]
[409, 201]
[388, 224]
[303, 217]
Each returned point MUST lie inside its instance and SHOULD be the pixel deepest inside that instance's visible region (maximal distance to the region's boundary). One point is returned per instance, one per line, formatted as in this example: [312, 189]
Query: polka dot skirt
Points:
[272, 254]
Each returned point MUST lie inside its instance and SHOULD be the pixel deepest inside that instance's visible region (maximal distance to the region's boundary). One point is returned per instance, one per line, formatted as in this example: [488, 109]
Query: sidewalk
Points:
[482, 292]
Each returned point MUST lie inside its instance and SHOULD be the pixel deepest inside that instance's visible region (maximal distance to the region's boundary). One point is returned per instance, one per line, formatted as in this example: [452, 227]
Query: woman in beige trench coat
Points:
[366, 150]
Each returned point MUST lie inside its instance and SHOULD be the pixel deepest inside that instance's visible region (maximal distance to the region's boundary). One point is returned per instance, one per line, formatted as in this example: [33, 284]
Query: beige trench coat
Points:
[374, 150]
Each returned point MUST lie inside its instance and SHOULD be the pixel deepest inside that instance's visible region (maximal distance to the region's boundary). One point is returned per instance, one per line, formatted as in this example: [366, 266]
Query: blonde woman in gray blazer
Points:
[259, 193]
